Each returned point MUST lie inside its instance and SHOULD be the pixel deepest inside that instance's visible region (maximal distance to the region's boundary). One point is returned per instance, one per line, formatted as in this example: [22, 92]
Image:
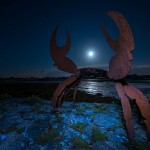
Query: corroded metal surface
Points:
[58, 54]
[61, 89]
[125, 42]
[119, 67]
[142, 103]
[127, 112]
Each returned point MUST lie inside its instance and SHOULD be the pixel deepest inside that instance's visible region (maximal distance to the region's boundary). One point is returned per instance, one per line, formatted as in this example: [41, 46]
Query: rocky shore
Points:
[27, 124]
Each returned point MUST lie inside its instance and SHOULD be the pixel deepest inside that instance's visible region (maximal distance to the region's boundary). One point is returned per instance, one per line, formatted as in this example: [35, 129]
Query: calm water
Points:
[95, 87]
[108, 88]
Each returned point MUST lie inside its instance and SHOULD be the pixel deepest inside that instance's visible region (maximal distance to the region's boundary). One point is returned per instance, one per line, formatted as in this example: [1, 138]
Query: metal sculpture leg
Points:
[126, 110]
[142, 103]
[76, 88]
[74, 94]
[60, 91]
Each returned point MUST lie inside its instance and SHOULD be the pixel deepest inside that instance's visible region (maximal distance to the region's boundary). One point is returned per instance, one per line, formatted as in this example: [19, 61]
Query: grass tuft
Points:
[52, 135]
[97, 135]
[98, 108]
[79, 126]
[5, 96]
[20, 130]
[13, 127]
[80, 110]
[33, 99]
[138, 146]
[79, 142]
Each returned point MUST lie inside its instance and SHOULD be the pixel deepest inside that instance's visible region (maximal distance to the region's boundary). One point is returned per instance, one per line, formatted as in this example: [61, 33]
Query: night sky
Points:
[26, 27]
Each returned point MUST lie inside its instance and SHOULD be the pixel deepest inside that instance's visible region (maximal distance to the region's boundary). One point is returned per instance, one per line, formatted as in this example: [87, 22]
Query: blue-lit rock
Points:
[33, 126]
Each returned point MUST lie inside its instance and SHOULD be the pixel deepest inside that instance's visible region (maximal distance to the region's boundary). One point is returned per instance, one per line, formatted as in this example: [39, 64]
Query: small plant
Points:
[58, 118]
[115, 127]
[52, 135]
[87, 107]
[1, 131]
[20, 130]
[64, 106]
[93, 116]
[79, 126]
[37, 110]
[5, 96]
[97, 135]
[33, 99]
[80, 110]
[79, 142]
[98, 108]
[13, 127]
[138, 146]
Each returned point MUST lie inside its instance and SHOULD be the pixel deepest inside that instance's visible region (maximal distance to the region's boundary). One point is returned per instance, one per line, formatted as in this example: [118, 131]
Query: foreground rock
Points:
[97, 126]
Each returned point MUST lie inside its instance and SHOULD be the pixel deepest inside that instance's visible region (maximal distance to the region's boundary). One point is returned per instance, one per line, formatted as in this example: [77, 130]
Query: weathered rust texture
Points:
[142, 103]
[58, 54]
[125, 42]
[61, 89]
[126, 110]
[119, 65]
[63, 63]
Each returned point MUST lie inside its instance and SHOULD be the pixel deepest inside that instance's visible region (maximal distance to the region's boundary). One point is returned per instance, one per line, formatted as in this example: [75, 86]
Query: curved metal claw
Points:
[119, 65]
[58, 54]
[125, 42]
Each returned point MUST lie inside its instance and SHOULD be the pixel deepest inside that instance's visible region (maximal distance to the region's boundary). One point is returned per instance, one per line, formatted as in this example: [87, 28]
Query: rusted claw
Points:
[125, 42]
[58, 54]
[56, 51]
[119, 65]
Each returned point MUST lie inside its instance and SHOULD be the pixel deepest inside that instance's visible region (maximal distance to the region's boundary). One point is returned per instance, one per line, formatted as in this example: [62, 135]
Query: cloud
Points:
[54, 72]
[102, 66]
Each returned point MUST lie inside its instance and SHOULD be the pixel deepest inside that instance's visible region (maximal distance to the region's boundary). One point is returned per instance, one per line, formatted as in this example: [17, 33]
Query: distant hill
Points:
[90, 76]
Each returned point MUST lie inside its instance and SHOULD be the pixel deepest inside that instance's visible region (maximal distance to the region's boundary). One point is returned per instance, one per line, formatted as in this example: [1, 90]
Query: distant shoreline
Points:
[59, 80]
[133, 77]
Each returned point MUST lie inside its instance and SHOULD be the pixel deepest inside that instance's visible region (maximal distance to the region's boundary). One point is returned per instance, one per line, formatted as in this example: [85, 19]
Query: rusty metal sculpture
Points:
[119, 68]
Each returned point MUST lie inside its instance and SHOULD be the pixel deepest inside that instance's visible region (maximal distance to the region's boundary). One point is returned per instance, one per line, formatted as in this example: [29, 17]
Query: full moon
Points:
[90, 53]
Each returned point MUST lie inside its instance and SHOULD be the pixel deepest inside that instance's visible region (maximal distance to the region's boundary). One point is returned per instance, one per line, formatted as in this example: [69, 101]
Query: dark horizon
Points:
[130, 76]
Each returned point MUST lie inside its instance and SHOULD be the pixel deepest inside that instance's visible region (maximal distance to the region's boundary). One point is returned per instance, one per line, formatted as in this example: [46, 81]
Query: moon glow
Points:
[90, 53]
